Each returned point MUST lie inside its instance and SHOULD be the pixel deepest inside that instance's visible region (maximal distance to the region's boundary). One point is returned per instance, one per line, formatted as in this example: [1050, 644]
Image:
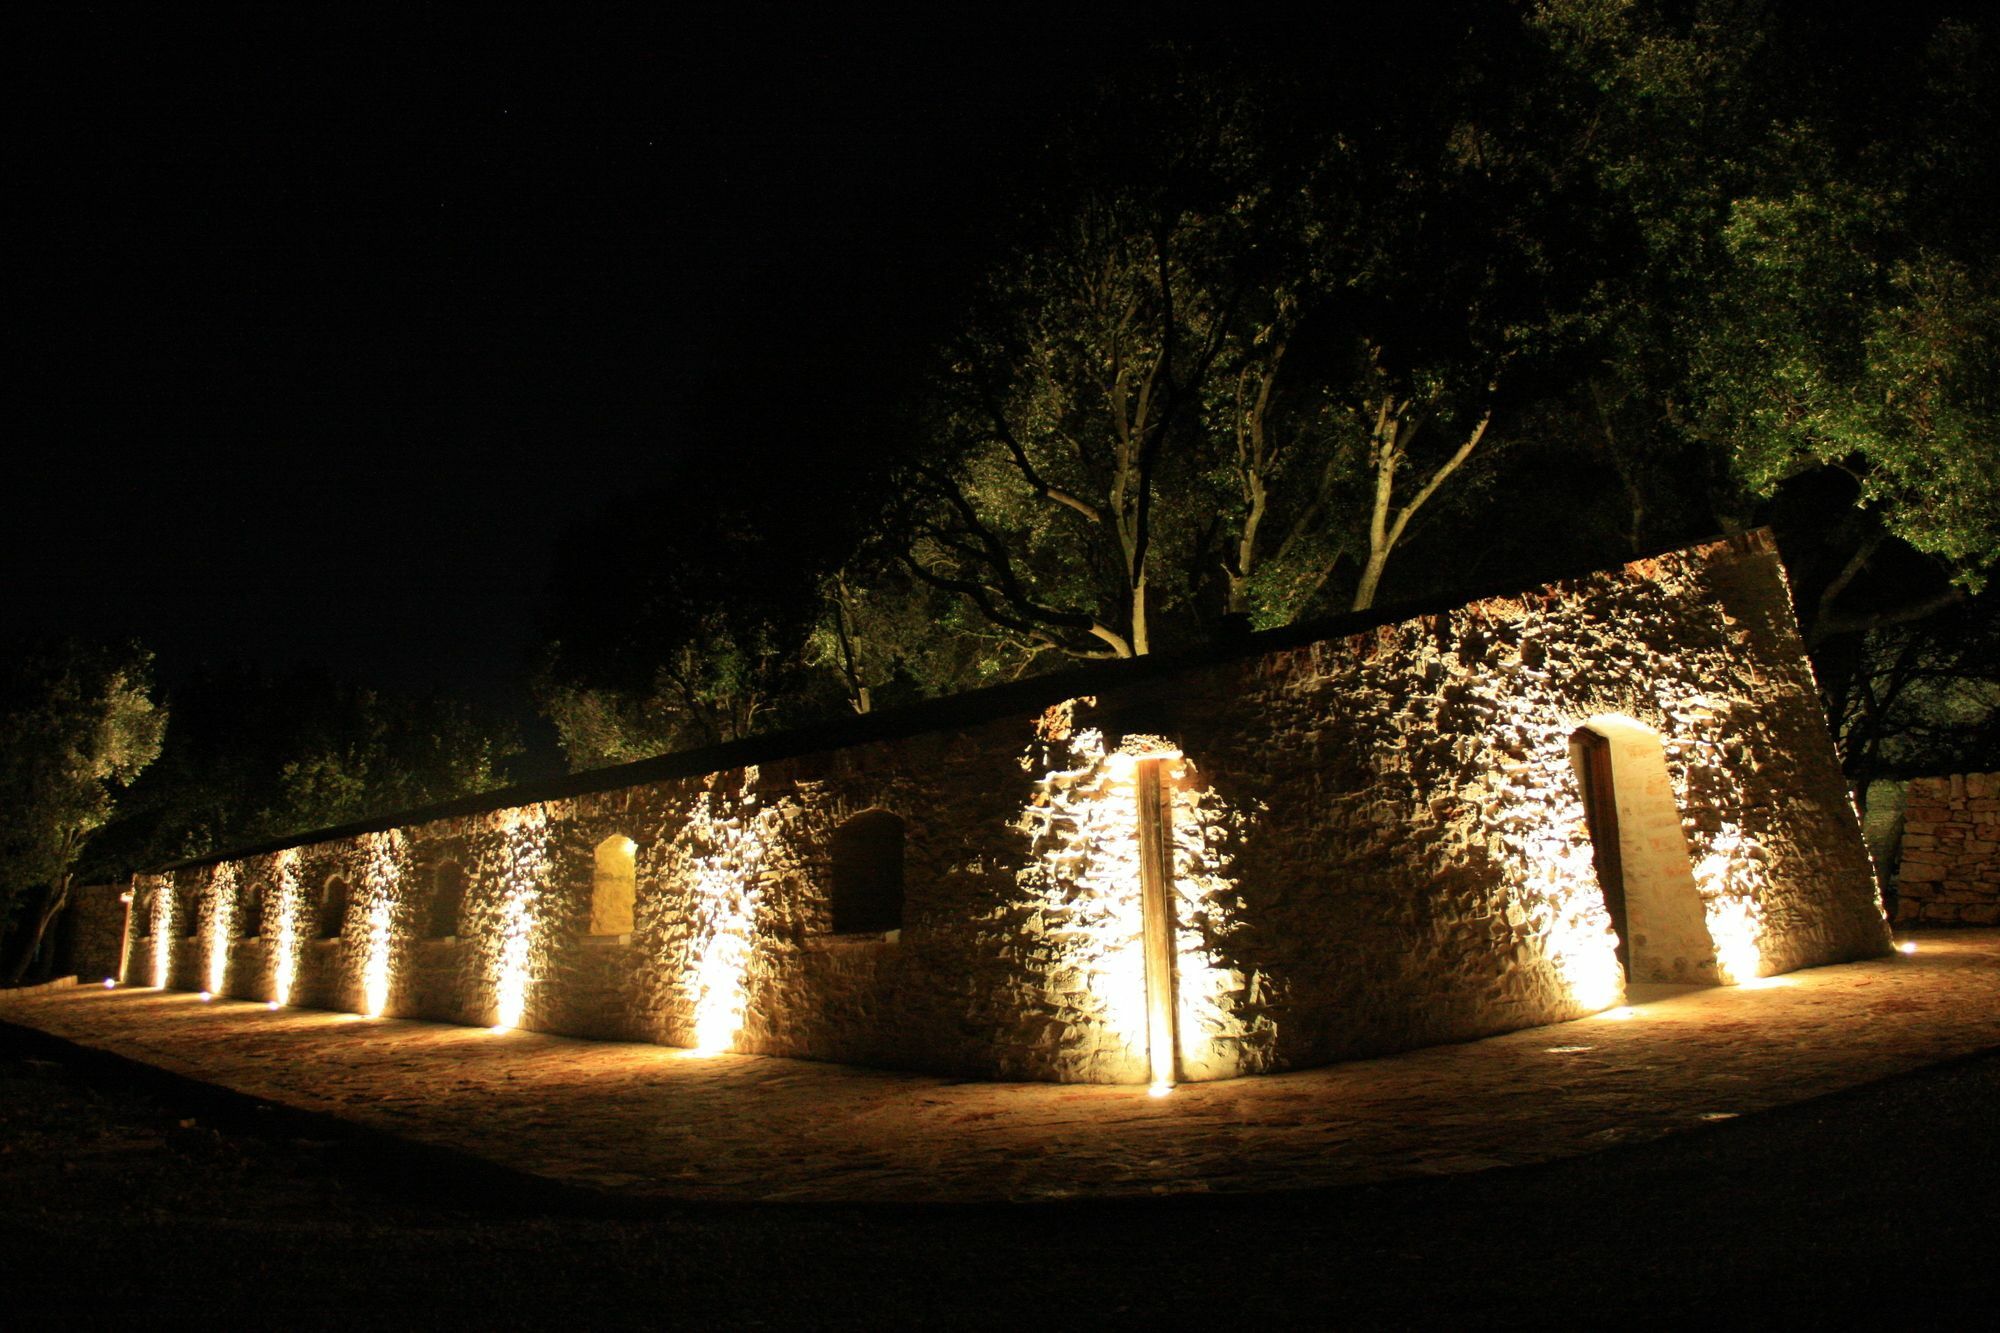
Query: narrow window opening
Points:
[614, 886]
[332, 908]
[447, 902]
[250, 912]
[190, 916]
[867, 880]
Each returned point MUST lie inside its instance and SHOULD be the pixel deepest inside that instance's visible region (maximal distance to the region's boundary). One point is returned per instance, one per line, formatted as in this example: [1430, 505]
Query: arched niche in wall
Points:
[250, 911]
[447, 901]
[332, 908]
[614, 886]
[866, 889]
[1641, 853]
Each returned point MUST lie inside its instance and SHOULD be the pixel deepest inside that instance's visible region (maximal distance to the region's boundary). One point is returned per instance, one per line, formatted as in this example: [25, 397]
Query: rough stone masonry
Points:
[1949, 871]
[1373, 834]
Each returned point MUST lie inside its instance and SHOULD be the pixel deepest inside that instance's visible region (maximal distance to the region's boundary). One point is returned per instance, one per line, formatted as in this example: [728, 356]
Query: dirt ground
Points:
[137, 1198]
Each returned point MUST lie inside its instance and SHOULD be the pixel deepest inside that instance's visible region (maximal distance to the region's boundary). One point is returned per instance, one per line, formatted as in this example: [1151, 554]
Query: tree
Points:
[887, 638]
[1921, 697]
[387, 752]
[252, 756]
[1814, 288]
[1811, 320]
[78, 726]
[1065, 408]
[676, 619]
[1241, 358]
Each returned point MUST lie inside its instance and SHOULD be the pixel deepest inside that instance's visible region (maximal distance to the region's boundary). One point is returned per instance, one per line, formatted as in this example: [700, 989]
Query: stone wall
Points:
[1377, 841]
[1949, 873]
[91, 932]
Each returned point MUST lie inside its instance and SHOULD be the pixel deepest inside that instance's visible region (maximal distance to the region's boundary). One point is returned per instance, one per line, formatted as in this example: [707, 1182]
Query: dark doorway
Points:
[1591, 753]
[1640, 849]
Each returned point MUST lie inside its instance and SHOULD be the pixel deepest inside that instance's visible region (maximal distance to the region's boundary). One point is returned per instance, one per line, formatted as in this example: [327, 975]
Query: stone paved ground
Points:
[652, 1121]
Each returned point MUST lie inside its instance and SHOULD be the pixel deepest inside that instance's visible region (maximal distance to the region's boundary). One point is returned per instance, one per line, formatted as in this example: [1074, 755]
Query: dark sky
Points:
[325, 328]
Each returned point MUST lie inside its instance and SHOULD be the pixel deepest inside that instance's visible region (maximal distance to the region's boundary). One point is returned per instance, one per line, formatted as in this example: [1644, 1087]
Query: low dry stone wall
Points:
[1376, 840]
[1949, 873]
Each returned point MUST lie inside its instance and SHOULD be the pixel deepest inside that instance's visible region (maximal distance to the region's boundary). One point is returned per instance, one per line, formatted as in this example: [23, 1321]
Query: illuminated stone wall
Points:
[93, 929]
[1376, 841]
[1949, 873]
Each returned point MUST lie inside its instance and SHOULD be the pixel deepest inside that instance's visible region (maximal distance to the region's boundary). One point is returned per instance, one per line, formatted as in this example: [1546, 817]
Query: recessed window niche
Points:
[447, 902]
[614, 886]
[332, 908]
[250, 912]
[866, 892]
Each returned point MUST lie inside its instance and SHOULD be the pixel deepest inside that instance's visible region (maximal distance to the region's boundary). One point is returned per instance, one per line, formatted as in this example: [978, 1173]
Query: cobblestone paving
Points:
[648, 1120]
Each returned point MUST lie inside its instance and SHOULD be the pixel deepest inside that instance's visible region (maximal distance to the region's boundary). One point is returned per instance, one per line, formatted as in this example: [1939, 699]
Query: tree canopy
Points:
[1271, 332]
[77, 726]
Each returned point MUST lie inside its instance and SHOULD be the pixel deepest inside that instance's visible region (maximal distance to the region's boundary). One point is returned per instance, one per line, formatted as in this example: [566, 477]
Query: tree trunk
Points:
[1371, 578]
[53, 902]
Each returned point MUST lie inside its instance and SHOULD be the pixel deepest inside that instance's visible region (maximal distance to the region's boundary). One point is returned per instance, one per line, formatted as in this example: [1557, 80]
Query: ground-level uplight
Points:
[1907, 946]
[110, 983]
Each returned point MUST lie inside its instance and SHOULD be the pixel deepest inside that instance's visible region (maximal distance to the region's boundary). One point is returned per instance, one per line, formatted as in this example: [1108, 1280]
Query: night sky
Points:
[329, 327]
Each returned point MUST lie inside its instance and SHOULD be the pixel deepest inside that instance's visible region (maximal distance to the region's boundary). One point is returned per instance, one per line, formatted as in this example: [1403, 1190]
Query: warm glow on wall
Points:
[1582, 943]
[524, 879]
[728, 832]
[221, 924]
[285, 938]
[375, 970]
[1731, 879]
[163, 931]
[380, 879]
[1083, 824]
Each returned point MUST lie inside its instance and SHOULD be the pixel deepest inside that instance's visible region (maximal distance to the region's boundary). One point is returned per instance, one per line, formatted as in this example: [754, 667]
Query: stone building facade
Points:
[1317, 844]
[1949, 867]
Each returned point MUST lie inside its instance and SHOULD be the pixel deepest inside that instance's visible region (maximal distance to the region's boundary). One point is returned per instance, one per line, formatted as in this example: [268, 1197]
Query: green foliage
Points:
[1277, 332]
[389, 753]
[77, 726]
[252, 757]
[1239, 364]
[1830, 354]
[1921, 698]
[1811, 289]
[675, 621]
[1067, 512]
